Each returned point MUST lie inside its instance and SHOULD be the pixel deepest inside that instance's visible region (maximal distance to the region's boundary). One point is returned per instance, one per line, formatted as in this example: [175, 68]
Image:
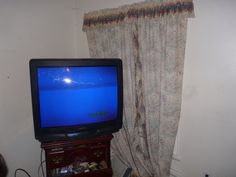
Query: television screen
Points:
[82, 97]
[77, 95]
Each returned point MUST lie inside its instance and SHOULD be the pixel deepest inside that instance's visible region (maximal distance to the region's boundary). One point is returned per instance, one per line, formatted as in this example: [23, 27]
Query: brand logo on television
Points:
[98, 114]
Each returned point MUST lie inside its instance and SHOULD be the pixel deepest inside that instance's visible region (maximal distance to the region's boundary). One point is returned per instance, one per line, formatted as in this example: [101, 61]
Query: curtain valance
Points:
[142, 10]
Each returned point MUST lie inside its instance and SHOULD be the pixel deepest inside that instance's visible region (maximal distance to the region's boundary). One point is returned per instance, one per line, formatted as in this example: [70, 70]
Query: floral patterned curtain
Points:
[150, 38]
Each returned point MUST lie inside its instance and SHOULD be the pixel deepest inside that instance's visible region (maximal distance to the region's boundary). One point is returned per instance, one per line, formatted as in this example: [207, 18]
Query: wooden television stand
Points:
[79, 158]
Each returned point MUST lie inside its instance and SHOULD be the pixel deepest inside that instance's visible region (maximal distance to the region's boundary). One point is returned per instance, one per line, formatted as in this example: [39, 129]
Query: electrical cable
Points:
[127, 172]
[40, 167]
[41, 162]
[20, 169]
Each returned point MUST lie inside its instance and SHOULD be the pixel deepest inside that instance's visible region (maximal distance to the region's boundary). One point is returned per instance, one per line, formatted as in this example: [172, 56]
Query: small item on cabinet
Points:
[63, 170]
[53, 172]
[102, 165]
[76, 165]
[93, 166]
[84, 164]
[70, 168]
[79, 170]
[80, 167]
[66, 170]
[78, 160]
[86, 171]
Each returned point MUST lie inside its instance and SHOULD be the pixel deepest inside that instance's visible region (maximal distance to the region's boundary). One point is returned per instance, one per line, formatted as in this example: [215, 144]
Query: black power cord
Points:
[20, 169]
[40, 166]
[127, 172]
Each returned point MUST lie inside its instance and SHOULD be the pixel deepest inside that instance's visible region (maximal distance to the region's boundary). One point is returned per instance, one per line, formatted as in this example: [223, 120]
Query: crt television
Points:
[76, 98]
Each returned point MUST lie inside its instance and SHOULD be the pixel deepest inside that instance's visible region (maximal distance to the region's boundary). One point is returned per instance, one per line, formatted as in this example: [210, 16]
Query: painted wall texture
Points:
[208, 125]
[28, 29]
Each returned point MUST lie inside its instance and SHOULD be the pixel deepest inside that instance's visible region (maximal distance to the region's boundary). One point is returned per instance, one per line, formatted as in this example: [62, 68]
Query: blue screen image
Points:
[72, 96]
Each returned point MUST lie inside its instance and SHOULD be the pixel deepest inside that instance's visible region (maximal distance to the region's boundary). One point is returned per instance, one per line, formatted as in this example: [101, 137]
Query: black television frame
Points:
[78, 131]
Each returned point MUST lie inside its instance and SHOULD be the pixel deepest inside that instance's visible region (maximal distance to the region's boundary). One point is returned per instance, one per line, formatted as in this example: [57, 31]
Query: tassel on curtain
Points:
[150, 38]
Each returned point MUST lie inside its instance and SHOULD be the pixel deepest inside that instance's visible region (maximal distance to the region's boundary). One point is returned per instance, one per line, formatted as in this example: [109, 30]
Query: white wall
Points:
[28, 28]
[208, 125]
[207, 132]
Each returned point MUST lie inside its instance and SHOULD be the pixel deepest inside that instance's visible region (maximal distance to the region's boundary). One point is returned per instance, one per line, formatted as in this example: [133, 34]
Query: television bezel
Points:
[77, 131]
